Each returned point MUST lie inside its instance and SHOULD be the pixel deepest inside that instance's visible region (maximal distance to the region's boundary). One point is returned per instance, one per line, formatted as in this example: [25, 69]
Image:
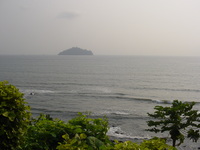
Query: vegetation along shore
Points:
[21, 131]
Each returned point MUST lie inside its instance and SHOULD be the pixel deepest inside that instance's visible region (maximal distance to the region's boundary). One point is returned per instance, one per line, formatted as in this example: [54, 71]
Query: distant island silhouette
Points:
[76, 51]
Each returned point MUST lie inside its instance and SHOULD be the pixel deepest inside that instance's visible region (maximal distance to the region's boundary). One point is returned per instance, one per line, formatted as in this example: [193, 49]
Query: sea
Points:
[122, 88]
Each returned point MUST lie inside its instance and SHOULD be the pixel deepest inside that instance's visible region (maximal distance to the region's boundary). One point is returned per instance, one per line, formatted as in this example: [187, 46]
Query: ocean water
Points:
[124, 88]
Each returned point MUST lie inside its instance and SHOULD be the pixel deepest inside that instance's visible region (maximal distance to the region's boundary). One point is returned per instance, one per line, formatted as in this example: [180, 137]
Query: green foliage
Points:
[127, 145]
[95, 143]
[78, 142]
[82, 142]
[14, 117]
[153, 144]
[174, 119]
[86, 133]
[97, 127]
[44, 133]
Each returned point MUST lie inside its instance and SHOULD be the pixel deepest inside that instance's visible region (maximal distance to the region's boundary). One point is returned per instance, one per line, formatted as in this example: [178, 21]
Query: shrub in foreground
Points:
[86, 133]
[96, 127]
[44, 133]
[14, 117]
[156, 144]
[79, 142]
[152, 144]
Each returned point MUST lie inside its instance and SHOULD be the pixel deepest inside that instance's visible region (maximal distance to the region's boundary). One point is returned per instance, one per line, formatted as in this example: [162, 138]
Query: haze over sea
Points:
[124, 88]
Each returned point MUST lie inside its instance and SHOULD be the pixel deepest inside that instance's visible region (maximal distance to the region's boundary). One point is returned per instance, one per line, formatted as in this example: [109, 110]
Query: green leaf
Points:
[83, 136]
[53, 134]
[5, 114]
[66, 136]
[78, 130]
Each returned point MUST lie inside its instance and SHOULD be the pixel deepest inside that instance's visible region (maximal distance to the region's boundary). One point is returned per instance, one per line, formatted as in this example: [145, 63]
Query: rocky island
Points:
[76, 51]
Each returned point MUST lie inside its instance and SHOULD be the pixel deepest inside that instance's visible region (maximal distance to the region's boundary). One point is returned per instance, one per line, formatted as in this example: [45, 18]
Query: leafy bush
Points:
[75, 143]
[152, 144]
[14, 117]
[155, 144]
[86, 133]
[81, 142]
[44, 133]
[127, 145]
[97, 127]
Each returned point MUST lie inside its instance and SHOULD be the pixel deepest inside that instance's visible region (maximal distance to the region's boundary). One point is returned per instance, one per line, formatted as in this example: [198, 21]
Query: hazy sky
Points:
[107, 27]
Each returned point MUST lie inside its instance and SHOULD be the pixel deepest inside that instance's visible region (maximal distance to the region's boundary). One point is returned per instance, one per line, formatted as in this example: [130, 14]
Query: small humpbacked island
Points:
[76, 51]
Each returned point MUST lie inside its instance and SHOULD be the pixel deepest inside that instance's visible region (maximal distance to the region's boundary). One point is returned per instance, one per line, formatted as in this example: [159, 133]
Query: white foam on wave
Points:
[163, 101]
[35, 91]
[43, 91]
[89, 90]
[115, 112]
[119, 133]
[115, 131]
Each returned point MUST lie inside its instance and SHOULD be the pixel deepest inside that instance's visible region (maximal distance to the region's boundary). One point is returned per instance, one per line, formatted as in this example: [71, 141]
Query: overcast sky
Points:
[107, 27]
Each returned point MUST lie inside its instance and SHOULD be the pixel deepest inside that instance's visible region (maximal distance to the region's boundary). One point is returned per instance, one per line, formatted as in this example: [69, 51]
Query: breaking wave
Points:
[117, 132]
